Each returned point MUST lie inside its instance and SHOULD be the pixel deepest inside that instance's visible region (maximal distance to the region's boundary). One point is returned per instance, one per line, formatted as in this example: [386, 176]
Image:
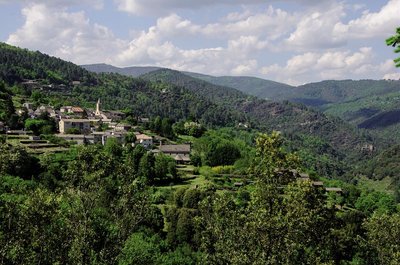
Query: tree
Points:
[17, 161]
[130, 138]
[383, 237]
[163, 166]
[140, 249]
[285, 221]
[113, 147]
[222, 153]
[134, 156]
[35, 125]
[166, 128]
[272, 164]
[157, 124]
[146, 167]
[395, 41]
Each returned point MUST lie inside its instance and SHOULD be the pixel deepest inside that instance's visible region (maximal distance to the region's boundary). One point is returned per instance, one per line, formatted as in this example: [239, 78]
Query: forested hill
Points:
[284, 116]
[17, 64]
[258, 87]
[368, 104]
[133, 71]
[219, 94]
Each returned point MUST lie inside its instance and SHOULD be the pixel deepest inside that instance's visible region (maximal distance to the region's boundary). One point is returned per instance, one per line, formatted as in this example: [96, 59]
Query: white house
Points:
[83, 125]
[144, 140]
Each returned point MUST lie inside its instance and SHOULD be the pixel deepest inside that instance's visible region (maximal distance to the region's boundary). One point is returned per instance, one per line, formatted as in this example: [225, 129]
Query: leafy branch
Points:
[395, 41]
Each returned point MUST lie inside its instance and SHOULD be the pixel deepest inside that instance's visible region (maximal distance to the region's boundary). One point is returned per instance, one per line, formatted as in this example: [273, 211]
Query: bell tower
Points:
[98, 113]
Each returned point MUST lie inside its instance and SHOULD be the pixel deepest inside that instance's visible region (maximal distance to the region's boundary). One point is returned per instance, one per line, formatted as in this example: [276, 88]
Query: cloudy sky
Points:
[292, 41]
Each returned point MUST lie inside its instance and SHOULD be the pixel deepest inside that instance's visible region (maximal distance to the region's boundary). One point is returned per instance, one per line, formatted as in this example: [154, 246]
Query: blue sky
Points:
[289, 41]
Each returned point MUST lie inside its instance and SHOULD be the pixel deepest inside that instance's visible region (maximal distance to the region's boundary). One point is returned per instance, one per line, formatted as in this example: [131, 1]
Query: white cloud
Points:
[268, 23]
[98, 4]
[70, 36]
[237, 44]
[325, 28]
[372, 24]
[144, 7]
[392, 76]
[316, 29]
[315, 66]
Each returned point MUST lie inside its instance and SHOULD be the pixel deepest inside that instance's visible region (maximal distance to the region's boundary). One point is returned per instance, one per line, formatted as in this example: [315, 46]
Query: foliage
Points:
[6, 104]
[18, 64]
[16, 161]
[383, 238]
[395, 41]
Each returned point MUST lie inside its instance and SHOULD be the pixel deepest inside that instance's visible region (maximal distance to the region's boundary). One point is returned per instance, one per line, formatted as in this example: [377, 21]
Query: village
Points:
[77, 125]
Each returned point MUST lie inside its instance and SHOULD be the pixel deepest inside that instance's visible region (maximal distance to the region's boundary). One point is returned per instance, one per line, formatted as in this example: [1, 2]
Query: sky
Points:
[290, 41]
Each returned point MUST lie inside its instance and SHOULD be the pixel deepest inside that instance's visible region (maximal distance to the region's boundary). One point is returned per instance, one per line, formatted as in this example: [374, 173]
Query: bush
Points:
[223, 169]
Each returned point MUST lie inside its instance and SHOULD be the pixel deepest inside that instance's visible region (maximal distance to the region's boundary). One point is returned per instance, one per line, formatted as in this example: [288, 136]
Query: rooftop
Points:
[175, 148]
[76, 120]
[143, 137]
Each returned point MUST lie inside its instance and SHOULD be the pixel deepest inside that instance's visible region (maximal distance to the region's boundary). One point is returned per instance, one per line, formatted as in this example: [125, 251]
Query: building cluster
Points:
[85, 126]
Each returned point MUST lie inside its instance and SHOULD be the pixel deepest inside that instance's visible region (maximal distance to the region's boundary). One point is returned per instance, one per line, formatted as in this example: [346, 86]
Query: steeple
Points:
[98, 113]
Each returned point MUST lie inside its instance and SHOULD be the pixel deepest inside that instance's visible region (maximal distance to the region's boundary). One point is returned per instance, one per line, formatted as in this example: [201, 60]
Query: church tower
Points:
[98, 113]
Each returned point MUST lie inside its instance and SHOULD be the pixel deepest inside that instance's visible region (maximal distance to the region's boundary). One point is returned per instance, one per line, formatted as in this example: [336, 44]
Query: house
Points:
[122, 127]
[116, 115]
[144, 140]
[83, 125]
[78, 111]
[42, 109]
[180, 152]
[66, 109]
[30, 84]
[101, 137]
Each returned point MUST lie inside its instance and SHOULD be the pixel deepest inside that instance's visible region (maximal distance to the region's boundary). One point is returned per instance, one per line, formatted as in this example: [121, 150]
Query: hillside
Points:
[258, 87]
[17, 65]
[368, 104]
[284, 116]
[134, 71]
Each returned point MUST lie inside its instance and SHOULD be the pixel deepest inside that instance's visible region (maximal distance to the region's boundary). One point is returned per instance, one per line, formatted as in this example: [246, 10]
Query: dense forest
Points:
[252, 195]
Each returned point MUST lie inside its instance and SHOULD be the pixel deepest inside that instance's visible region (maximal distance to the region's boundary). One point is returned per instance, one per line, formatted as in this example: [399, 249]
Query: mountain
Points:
[134, 71]
[368, 104]
[258, 87]
[290, 118]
